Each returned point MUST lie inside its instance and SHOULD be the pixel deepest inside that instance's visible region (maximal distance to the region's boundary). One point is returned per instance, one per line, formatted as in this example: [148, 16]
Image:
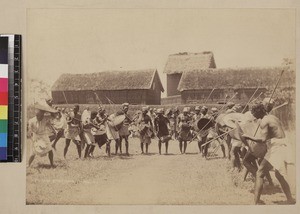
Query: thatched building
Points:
[196, 85]
[135, 87]
[184, 62]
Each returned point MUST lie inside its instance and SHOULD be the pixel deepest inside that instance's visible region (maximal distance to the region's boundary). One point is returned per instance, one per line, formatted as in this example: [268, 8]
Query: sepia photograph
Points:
[160, 107]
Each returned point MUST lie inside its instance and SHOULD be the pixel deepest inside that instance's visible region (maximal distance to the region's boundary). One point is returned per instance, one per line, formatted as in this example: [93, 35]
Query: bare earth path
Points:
[139, 179]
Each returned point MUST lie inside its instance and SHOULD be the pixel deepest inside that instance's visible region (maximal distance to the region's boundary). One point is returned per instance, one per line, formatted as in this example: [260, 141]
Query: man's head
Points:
[204, 110]
[268, 104]
[125, 107]
[144, 110]
[101, 110]
[258, 111]
[159, 112]
[185, 110]
[214, 110]
[197, 109]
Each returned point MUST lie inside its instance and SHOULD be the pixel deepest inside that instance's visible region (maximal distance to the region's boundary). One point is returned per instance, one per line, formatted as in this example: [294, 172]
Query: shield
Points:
[117, 120]
[204, 124]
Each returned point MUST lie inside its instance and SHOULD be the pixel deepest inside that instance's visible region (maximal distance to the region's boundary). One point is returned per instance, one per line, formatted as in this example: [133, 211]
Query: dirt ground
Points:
[143, 179]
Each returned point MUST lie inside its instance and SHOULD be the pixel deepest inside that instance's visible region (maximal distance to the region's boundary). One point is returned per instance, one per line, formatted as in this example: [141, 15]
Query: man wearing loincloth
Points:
[184, 124]
[59, 124]
[40, 129]
[146, 129]
[271, 133]
[73, 131]
[99, 131]
[212, 133]
[124, 130]
[161, 124]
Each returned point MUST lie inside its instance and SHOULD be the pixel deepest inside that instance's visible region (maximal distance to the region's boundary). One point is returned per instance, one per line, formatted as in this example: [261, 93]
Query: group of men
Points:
[91, 129]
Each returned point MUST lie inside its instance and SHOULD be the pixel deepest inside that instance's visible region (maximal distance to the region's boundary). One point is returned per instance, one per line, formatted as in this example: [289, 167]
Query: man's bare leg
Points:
[159, 147]
[180, 146]
[147, 145]
[167, 145]
[68, 141]
[285, 187]
[185, 145]
[264, 167]
[142, 148]
[126, 145]
[50, 155]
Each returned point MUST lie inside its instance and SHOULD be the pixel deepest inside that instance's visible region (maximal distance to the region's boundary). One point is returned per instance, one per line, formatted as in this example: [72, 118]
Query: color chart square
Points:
[3, 112]
[3, 85]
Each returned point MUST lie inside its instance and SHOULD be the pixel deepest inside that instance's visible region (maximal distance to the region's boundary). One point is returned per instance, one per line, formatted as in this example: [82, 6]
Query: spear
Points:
[271, 96]
[209, 95]
[250, 99]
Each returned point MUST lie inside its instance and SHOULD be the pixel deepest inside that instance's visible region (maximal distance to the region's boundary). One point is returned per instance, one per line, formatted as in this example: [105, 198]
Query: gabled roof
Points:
[181, 62]
[107, 80]
[236, 78]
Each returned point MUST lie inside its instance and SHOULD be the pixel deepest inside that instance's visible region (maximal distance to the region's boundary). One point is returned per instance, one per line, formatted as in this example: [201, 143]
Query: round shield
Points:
[118, 120]
[204, 124]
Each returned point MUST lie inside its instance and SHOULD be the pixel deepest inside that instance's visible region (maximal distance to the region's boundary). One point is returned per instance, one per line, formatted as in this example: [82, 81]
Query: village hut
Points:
[183, 62]
[109, 87]
[196, 85]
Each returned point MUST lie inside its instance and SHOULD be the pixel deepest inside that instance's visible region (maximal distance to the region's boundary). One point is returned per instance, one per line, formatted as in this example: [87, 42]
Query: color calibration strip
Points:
[13, 128]
[3, 97]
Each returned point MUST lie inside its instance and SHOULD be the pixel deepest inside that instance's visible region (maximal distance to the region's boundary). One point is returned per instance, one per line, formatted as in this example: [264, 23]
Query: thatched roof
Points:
[236, 78]
[181, 62]
[107, 80]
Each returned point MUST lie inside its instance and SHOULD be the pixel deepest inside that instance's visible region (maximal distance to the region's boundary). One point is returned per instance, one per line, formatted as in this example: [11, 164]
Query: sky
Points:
[94, 40]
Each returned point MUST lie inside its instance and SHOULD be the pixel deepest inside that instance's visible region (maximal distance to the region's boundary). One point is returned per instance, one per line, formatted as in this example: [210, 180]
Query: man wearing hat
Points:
[145, 128]
[40, 129]
[161, 124]
[124, 131]
[184, 127]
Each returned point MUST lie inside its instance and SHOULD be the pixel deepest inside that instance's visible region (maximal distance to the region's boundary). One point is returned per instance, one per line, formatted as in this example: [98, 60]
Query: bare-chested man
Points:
[272, 133]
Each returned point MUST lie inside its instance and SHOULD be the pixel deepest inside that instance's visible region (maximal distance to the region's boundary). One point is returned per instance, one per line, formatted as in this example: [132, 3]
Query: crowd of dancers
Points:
[220, 127]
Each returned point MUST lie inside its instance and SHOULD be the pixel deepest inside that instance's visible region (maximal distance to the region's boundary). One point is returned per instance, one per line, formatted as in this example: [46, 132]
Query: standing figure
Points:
[175, 116]
[146, 129]
[39, 128]
[161, 124]
[184, 128]
[204, 132]
[112, 132]
[124, 131]
[271, 133]
[59, 124]
[99, 131]
[212, 133]
[72, 132]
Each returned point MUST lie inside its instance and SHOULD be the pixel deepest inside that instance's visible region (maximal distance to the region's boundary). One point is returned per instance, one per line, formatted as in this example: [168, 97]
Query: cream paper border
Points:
[13, 176]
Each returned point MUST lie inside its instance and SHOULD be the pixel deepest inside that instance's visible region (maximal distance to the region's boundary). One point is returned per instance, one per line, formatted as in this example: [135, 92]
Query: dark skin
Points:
[270, 127]
[125, 110]
[160, 142]
[77, 143]
[182, 143]
[142, 144]
[40, 117]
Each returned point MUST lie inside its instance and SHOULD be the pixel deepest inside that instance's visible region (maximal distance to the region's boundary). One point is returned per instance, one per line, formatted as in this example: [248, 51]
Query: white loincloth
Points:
[277, 154]
[41, 144]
